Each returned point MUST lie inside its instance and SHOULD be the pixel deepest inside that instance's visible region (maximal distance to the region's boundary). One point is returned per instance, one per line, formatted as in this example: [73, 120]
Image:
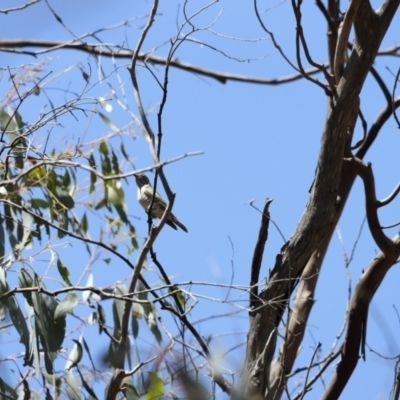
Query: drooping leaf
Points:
[75, 356]
[9, 218]
[37, 176]
[73, 391]
[156, 387]
[64, 224]
[118, 309]
[178, 294]
[115, 162]
[64, 198]
[17, 317]
[39, 203]
[2, 239]
[106, 167]
[93, 177]
[134, 242]
[103, 148]
[25, 281]
[115, 195]
[53, 380]
[152, 324]
[66, 179]
[24, 230]
[26, 389]
[109, 123]
[85, 345]
[123, 151]
[9, 123]
[86, 386]
[87, 293]
[66, 306]
[129, 389]
[84, 223]
[101, 316]
[137, 313]
[64, 272]
[7, 389]
[51, 331]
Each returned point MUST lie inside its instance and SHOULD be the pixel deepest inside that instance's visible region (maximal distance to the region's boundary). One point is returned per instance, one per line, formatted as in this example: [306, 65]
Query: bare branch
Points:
[391, 197]
[385, 244]
[100, 50]
[18, 8]
[357, 319]
[258, 254]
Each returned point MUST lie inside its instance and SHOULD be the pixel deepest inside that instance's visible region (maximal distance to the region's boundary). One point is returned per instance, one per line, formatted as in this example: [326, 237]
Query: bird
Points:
[145, 195]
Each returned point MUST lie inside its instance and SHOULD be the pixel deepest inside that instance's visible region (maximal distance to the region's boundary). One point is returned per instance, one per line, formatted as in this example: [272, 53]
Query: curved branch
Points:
[385, 244]
[358, 313]
[100, 50]
[258, 254]
[343, 38]
[390, 198]
[301, 39]
[382, 118]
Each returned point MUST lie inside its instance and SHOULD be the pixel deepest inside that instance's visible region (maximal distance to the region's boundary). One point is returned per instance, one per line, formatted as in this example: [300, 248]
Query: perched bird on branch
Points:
[145, 195]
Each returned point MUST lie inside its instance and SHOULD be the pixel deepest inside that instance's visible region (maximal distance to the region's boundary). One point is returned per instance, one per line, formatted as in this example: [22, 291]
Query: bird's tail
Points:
[178, 223]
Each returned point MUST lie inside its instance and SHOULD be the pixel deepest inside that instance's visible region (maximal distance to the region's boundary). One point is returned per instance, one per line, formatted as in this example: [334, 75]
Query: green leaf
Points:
[25, 281]
[19, 121]
[102, 317]
[2, 239]
[93, 177]
[73, 391]
[26, 390]
[17, 317]
[37, 175]
[137, 313]
[178, 294]
[84, 223]
[64, 272]
[115, 163]
[66, 306]
[66, 179]
[109, 123]
[75, 356]
[129, 389]
[124, 153]
[85, 345]
[156, 387]
[118, 309]
[10, 124]
[64, 198]
[106, 167]
[10, 219]
[24, 231]
[103, 148]
[101, 204]
[87, 387]
[152, 324]
[132, 231]
[39, 203]
[51, 331]
[7, 389]
[64, 223]
[142, 293]
[115, 195]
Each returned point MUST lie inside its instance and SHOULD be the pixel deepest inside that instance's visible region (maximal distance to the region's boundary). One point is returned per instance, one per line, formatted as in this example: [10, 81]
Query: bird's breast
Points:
[144, 199]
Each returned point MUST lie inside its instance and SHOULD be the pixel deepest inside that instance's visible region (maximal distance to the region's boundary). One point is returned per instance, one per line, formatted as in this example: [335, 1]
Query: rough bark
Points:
[320, 215]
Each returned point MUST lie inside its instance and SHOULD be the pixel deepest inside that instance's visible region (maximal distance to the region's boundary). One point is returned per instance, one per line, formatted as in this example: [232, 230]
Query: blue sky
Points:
[257, 141]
